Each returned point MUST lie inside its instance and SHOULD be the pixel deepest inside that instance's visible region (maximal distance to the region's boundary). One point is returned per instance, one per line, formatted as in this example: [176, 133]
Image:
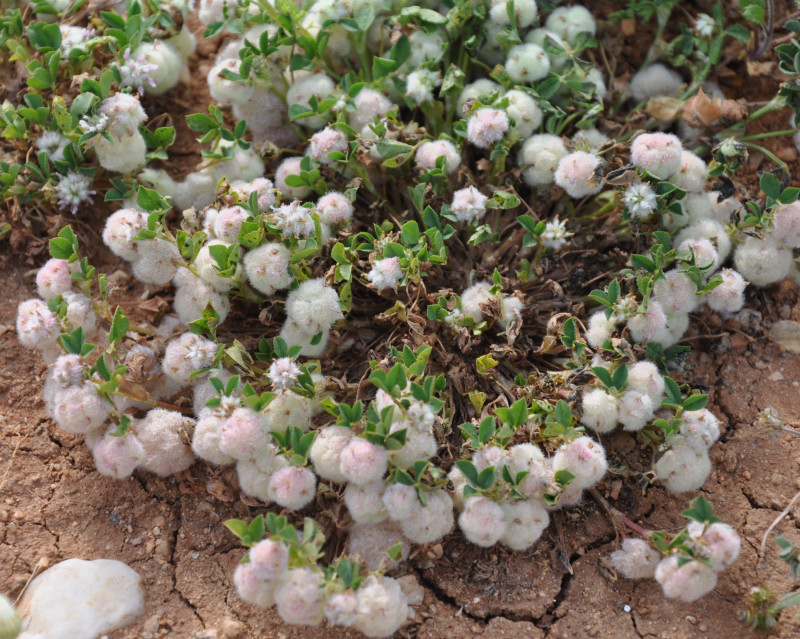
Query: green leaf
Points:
[673, 390]
[44, 36]
[700, 510]
[119, 326]
[469, 471]
[739, 32]
[603, 375]
[563, 413]
[620, 376]
[695, 402]
[770, 185]
[237, 527]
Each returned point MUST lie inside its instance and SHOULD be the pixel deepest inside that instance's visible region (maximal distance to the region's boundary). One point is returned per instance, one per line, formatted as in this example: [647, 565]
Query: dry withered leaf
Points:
[701, 112]
[664, 109]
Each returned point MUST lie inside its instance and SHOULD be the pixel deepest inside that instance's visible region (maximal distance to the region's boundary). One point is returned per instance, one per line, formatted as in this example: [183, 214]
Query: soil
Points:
[56, 506]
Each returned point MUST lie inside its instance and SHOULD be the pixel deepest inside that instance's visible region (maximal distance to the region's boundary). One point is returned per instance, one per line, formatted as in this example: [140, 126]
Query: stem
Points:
[770, 134]
[775, 523]
[613, 512]
[769, 154]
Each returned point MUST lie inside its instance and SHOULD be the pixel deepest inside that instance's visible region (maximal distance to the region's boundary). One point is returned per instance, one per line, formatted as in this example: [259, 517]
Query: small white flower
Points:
[421, 83]
[640, 200]
[136, 71]
[283, 373]
[294, 219]
[555, 234]
[93, 123]
[386, 273]
[73, 189]
[704, 25]
[468, 204]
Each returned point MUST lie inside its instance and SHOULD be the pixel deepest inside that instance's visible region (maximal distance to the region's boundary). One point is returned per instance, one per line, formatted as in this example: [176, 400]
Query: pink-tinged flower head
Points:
[293, 487]
[240, 435]
[262, 187]
[487, 126]
[386, 273]
[229, 222]
[579, 174]
[786, 225]
[657, 153]
[469, 204]
[37, 325]
[334, 208]
[118, 457]
[269, 559]
[429, 152]
[54, 278]
[327, 141]
[363, 462]
[283, 373]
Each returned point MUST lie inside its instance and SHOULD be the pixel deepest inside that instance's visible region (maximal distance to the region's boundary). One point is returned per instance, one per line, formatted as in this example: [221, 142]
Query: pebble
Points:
[79, 599]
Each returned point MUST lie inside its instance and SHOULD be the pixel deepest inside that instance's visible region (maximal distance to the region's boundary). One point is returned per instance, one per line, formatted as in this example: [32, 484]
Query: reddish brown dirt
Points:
[55, 505]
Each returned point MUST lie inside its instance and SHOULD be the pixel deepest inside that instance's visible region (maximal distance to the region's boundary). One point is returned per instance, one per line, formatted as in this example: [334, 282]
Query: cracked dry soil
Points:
[56, 506]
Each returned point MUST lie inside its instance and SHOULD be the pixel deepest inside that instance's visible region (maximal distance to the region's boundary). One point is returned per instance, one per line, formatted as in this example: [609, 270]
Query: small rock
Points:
[231, 628]
[787, 334]
[79, 599]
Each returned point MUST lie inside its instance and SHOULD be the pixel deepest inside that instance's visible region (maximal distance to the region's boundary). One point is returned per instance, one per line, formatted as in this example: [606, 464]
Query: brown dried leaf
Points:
[701, 112]
[664, 109]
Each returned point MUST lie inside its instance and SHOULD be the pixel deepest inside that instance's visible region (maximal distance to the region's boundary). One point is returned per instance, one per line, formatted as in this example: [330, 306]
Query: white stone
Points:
[78, 599]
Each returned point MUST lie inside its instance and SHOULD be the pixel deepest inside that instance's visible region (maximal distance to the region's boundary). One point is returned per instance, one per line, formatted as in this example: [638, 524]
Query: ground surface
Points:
[54, 505]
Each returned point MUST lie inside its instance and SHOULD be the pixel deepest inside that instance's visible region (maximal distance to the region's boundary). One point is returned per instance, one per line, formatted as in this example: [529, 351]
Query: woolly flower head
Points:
[262, 187]
[655, 81]
[369, 105]
[187, 354]
[527, 63]
[37, 325]
[52, 143]
[293, 487]
[314, 306]
[524, 12]
[636, 559]
[283, 373]
[539, 157]
[677, 293]
[578, 173]
[640, 200]
[429, 152]
[294, 219]
[688, 582]
[728, 296]
[704, 25]
[267, 267]
[290, 166]
[568, 22]
[334, 208]
[482, 521]
[73, 37]
[786, 225]
[762, 261]
[657, 153]
[487, 126]
[300, 597]
[228, 92]
[72, 190]
[584, 458]
[599, 411]
[54, 278]
[326, 141]
[421, 83]
[124, 113]
[136, 71]
[386, 273]
[555, 234]
[683, 467]
[468, 204]
[650, 325]
[363, 462]
[269, 559]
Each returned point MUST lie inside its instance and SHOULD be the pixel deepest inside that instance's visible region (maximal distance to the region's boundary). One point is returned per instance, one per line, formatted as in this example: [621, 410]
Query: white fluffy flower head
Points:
[487, 126]
[555, 234]
[294, 219]
[283, 373]
[72, 190]
[386, 273]
[640, 200]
